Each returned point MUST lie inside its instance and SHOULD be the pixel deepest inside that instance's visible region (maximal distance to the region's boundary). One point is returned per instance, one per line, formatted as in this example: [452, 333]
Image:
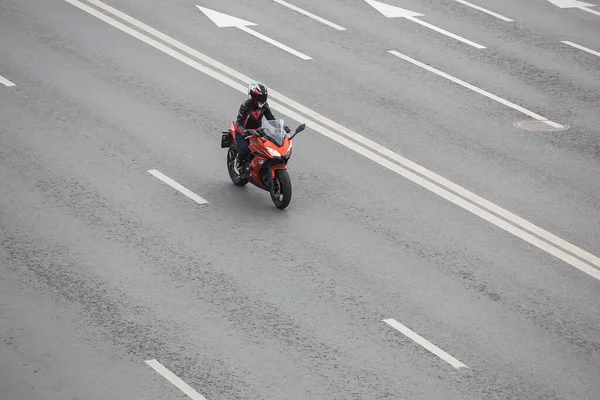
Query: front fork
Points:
[273, 170]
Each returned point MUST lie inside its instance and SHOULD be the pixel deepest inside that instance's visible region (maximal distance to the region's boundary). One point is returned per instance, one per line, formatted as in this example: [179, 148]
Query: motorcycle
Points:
[270, 151]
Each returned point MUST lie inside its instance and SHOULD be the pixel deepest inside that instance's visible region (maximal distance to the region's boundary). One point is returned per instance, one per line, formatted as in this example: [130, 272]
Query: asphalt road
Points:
[104, 267]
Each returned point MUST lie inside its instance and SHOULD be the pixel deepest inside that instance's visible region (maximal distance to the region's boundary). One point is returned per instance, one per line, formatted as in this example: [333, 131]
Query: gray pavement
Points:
[103, 266]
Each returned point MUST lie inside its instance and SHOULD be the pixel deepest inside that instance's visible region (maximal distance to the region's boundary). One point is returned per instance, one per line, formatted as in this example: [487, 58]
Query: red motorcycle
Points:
[270, 151]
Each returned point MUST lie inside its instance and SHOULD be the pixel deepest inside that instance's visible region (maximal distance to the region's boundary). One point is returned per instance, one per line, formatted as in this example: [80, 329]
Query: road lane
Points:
[172, 287]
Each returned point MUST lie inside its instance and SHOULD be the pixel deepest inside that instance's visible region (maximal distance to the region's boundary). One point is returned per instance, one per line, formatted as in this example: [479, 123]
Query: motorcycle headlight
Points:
[273, 152]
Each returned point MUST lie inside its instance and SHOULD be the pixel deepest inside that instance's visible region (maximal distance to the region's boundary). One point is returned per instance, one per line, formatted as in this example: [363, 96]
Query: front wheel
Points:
[234, 174]
[281, 190]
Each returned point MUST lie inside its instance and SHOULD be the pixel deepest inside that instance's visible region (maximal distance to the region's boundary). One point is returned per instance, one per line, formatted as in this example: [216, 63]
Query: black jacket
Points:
[250, 115]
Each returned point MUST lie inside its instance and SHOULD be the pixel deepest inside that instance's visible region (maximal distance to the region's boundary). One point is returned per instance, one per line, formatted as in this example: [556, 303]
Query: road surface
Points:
[433, 249]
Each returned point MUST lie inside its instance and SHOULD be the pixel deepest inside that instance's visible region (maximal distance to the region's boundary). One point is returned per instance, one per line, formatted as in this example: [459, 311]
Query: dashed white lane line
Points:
[175, 380]
[425, 343]
[6, 82]
[466, 3]
[476, 89]
[178, 187]
[580, 47]
[416, 173]
[310, 15]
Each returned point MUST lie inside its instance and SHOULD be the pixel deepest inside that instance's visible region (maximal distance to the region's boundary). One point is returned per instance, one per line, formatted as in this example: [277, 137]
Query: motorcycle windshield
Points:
[274, 130]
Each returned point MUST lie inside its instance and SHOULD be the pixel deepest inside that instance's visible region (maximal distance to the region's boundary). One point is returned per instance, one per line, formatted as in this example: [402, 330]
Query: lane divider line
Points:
[274, 42]
[580, 47]
[175, 380]
[445, 32]
[6, 82]
[479, 8]
[425, 343]
[185, 191]
[475, 89]
[310, 15]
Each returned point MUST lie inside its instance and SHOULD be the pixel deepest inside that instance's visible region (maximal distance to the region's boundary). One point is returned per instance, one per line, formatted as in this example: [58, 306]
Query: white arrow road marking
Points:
[580, 47]
[425, 343]
[185, 191]
[416, 173]
[590, 10]
[310, 15]
[570, 3]
[175, 380]
[502, 17]
[6, 82]
[476, 89]
[224, 21]
[392, 11]
[397, 12]
[574, 4]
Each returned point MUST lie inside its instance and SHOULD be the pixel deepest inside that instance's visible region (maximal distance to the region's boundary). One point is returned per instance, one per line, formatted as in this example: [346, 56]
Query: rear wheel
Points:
[234, 173]
[281, 190]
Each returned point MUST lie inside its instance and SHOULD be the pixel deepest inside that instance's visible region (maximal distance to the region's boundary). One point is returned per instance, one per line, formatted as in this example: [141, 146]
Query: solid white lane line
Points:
[580, 47]
[310, 15]
[502, 17]
[178, 187]
[175, 380]
[459, 201]
[437, 187]
[425, 343]
[6, 82]
[445, 32]
[476, 89]
[274, 42]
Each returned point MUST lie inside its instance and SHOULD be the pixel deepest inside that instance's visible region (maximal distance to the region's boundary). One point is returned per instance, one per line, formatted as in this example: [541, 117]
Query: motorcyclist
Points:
[250, 117]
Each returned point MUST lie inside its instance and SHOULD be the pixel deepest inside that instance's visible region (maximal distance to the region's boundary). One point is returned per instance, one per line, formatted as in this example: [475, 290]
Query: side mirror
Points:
[300, 128]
